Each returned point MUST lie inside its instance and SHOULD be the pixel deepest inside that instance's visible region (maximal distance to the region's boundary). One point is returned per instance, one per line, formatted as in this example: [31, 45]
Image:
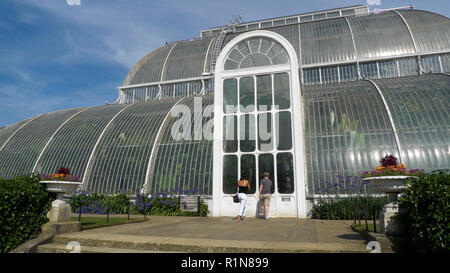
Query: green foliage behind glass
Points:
[426, 204]
[24, 204]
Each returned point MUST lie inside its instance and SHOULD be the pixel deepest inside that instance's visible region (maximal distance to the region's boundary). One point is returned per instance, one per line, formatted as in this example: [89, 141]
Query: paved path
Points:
[227, 235]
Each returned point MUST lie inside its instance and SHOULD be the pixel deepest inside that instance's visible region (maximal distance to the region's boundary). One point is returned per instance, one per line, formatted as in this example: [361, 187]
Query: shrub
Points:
[24, 204]
[119, 203]
[345, 208]
[157, 204]
[389, 160]
[89, 203]
[426, 213]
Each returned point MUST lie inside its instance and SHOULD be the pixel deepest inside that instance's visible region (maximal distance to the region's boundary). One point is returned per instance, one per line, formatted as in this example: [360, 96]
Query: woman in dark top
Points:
[243, 188]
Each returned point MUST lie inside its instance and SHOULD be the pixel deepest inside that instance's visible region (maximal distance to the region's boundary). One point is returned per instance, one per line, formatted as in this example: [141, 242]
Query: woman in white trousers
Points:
[243, 188]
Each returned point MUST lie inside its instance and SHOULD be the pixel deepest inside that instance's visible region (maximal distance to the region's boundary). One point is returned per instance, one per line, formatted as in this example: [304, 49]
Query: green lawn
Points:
[95, 222]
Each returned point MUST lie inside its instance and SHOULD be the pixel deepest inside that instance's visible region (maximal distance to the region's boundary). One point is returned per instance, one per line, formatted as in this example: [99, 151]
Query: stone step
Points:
[62, 248]
[175, 244]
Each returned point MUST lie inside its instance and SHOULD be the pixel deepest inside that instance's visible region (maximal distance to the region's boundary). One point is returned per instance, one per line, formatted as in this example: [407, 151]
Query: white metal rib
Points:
[165, 61]
[100, 138]
[394, 129]
[51, 138]
[354, 47]
[300, 59]
[409, 29]
[207, 54]
[152, 155]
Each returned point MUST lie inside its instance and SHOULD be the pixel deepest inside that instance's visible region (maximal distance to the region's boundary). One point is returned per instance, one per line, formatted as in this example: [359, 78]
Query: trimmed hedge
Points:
[426, 205]
[346, 208]
[24, 204]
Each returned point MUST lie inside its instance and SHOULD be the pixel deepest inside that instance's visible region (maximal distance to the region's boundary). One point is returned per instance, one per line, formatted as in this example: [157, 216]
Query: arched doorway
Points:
[258, 124]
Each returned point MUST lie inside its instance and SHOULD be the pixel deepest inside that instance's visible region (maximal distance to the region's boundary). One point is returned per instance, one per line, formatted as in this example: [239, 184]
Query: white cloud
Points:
[114, 32]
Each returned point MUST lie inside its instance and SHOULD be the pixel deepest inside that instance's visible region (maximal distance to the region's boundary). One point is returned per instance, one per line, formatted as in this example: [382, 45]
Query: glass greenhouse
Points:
[314, 99]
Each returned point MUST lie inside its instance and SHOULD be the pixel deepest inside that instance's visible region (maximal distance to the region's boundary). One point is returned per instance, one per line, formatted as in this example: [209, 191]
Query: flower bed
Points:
[63, 174]
[155, 204]
[391, 167]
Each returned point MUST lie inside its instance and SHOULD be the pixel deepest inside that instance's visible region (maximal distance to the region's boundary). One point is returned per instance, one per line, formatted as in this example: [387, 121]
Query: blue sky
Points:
[55, 56]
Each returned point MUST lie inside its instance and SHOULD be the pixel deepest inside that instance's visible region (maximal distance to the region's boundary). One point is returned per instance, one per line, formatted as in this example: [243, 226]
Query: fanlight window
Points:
[256, 52]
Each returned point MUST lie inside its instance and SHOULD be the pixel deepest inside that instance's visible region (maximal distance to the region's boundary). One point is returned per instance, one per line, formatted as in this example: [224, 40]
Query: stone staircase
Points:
[80, 242]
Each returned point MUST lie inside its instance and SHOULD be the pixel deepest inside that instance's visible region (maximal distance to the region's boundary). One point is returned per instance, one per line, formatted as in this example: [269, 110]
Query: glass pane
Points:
[445, 60]
[243, 48]
[408, 67]
[230, 134]
[247, 94]
[306, 18]
[265, 139]
[230, 174]
[284, 132]
[248, 171]
[264, 89]
[281, 58]
[381, 35]
[247, 133]
[319, 16]
[348, 72]
[230, 65]
[388, 69]
[256, 52]
[431, 64]
[265, 163]
[235, 55]
[369, 70]
[330, 74]
[326, 41]
[281, 91]
[311, 76]
[254, 60]
[285, 173]
[229, 96]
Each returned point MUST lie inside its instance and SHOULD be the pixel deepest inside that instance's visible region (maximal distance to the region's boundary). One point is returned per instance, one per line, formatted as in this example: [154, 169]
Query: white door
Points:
[257, 126]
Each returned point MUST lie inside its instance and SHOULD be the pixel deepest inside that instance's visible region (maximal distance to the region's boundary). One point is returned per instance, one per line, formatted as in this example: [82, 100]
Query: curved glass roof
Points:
[22, 151]
[187, 59]
[120, 159]
[381, 35]
[348, 130]
[431, 31]
[336, 40]
[72, 145]
[149, 68]
[423, 125]
[184, 164]
[327, 41]
[7, 132]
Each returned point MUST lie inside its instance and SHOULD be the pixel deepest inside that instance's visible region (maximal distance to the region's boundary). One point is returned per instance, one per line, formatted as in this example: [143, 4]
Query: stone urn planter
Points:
[60, 210]
[393, 186]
